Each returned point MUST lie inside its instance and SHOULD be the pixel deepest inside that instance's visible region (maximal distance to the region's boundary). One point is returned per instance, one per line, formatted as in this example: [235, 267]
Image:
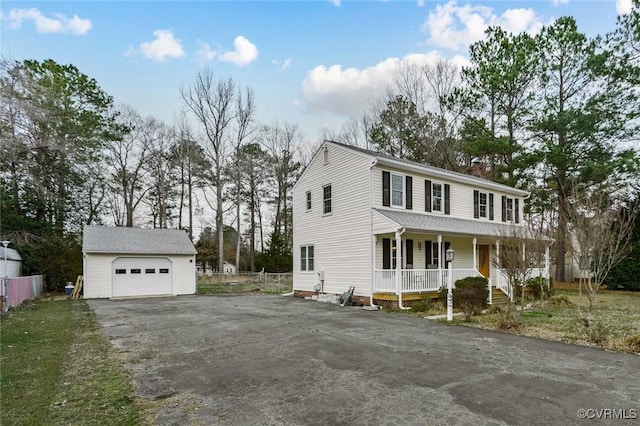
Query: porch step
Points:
[498, 297]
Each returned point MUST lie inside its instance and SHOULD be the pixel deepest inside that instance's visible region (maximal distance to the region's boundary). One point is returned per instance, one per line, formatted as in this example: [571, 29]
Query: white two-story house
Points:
[383, 225]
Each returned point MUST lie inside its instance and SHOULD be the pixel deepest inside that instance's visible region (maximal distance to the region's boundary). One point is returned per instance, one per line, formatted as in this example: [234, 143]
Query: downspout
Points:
[399, 267]
[372, 242]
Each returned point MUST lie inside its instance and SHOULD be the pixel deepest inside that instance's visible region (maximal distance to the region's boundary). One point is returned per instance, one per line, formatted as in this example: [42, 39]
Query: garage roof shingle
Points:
[107, 239]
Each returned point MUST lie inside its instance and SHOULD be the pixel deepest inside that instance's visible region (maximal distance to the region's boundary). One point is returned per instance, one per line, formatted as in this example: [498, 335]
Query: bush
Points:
[538, 288]
[560, 300]
[442, 296]
[470, 295]
[421, 305]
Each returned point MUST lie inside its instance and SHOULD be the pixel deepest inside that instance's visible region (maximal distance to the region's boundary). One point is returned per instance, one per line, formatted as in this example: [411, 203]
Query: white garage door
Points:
[141, 276]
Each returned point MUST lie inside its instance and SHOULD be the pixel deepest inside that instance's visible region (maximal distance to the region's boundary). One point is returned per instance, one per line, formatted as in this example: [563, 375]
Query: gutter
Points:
[402, 308]
[371, 236]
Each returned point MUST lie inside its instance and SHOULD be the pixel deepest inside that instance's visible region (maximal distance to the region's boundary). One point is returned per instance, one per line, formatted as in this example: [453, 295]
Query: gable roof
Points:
[402, 163]
[447, 224]
[109, 239]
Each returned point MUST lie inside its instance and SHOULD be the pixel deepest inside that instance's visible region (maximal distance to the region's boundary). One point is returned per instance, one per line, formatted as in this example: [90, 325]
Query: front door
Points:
[483, 260]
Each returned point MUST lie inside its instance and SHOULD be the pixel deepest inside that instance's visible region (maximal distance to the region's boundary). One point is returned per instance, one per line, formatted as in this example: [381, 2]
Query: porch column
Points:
[440, 256]
[374, 265]
[498, 264]
[475, 254]
[398, 262]
[546, 265]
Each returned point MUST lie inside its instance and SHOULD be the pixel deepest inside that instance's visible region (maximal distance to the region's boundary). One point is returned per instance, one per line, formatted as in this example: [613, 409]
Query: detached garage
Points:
[126, 262]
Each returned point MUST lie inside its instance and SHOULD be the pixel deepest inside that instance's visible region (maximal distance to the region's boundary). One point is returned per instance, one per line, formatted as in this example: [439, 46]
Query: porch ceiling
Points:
[445, 224]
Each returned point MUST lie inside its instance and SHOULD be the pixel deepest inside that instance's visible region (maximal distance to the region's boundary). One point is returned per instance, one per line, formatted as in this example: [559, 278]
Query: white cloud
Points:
[45, 25]
[420, 3]
[559, 2]
[205, 53]
[336, 3]
[243, 54]
[623, 7]
[164, 46]
[350, 91]
[456, 27]
[282, 66]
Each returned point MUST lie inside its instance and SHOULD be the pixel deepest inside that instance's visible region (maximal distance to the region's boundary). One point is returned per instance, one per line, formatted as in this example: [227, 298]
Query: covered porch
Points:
[410, 259]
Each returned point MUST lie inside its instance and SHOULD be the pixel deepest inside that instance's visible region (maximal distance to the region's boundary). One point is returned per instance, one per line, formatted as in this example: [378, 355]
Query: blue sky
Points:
[314, 63]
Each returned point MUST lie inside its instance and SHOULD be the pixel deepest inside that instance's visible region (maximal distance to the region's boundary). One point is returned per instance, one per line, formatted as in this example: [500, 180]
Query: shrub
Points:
[598, 333]
[560, 300]
[538, 288]
[421, 305]
[442, 296]
[470, 295]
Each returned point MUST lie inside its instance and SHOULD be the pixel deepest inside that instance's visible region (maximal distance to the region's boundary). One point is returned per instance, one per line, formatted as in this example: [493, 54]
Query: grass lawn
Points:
[616, 323]
[243, 284]
[57, 368]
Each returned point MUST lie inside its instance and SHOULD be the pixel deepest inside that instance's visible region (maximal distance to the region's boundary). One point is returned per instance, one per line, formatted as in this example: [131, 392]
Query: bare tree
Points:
[193, 167]
[127, 158]
[517, 252]
[211, 102]
[602, 229]
[161, 172]
[282, 144]
[245, 130]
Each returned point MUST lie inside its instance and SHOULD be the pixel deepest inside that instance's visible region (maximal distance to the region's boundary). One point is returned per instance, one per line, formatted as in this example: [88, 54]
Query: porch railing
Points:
[415, 280]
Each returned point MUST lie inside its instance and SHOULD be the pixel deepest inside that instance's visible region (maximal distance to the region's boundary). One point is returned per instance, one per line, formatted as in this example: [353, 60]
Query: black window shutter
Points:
[386, 188]
[516, 206]
[490, 206]
[447, 198]
[386, 253]
[447, 246]
[476, 204]
[427, 253]
[409, 185]
[427, 195]
[504, 208]
[409, 253]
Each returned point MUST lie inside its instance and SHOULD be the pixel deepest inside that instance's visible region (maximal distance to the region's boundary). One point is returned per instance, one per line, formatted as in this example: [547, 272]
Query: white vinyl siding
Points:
[341, 240]
[98, 271]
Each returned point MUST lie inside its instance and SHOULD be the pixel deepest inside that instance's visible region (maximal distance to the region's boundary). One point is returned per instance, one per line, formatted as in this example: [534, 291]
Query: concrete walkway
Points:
[270, 360]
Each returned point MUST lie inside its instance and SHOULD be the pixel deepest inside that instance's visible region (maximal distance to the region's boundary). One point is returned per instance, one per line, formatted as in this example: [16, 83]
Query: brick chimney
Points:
[477, 168]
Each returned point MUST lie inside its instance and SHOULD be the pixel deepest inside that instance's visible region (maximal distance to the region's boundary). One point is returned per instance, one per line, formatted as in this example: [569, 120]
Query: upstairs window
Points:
[326, 155]
[308, 200]
[510, 209]
[482, 205]
[306, 258]
[397, 190]
[437, 197]
[326, 199]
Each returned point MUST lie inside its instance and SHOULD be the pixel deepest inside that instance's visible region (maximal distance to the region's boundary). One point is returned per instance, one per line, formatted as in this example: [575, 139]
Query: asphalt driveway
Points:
[270, 360]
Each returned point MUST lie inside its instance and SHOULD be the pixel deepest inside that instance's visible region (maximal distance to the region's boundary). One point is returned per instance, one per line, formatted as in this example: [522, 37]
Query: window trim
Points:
[433, 198]
[324, 200]
[325, 155]
[402, 191]
[308, 200]
[304, 258]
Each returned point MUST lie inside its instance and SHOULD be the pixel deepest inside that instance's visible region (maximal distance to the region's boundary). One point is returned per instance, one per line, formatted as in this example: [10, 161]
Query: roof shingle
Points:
[107, 239]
